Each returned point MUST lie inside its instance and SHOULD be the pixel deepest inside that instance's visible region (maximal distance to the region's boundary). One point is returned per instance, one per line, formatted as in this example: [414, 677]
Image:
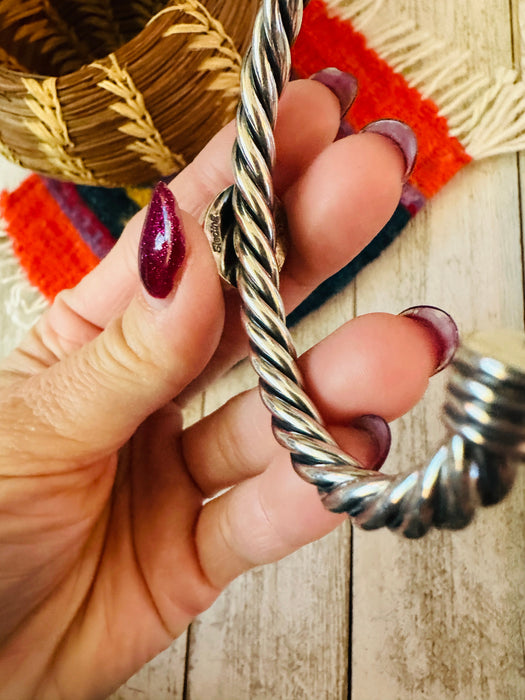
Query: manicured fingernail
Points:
[343, 85]
[379, 431]
[445, 332]
[162, 245]
[402, 135]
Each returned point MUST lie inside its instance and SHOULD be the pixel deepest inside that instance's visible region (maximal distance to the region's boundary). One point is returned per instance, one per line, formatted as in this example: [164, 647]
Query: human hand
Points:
[108, 544]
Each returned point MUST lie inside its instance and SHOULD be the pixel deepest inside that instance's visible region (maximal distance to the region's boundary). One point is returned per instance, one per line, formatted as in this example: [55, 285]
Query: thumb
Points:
[93, 400]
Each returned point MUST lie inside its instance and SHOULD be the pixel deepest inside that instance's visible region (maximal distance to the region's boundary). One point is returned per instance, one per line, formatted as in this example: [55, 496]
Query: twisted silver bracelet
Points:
[485, 406]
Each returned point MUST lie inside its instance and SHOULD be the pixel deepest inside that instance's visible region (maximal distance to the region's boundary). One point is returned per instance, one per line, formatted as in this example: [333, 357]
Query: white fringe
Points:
[485, 113]
[11, 175]
[21, 303]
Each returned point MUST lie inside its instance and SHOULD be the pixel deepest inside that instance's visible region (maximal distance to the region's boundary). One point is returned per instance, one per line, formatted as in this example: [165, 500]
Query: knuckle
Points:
[123, 354]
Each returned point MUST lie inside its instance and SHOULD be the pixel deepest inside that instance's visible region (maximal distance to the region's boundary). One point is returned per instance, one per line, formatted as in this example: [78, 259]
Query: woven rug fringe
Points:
[485, 113]
[22, 303]
[497, 122]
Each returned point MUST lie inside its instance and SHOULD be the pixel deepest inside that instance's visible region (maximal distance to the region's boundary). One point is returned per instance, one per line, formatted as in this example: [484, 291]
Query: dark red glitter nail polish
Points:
[162, 245]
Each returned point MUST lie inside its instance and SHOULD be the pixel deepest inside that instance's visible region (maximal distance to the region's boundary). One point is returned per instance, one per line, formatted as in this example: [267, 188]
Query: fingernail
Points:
[444, 329]
[379, 431]
[402, 135]
[343, 85]
[162, 245]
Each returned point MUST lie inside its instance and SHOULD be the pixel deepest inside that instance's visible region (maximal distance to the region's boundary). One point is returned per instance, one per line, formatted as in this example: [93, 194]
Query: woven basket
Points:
[117, 92]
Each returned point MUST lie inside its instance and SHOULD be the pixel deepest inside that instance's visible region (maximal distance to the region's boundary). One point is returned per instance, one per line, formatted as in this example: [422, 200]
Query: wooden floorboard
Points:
[443, 618]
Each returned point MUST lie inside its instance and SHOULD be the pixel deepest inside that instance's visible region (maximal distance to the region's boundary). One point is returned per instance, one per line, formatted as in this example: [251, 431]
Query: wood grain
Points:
[447, 622]
[278, 632]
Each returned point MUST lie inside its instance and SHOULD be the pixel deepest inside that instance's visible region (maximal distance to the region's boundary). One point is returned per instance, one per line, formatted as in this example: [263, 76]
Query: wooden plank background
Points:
[368, 616]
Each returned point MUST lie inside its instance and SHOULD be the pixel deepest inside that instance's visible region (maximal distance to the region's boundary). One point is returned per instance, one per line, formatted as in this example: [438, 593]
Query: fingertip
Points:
[173, 337]
[299, 137]
[443, 329]
[376, 364]
[400, 135]
[194, 314]
[383, 152]
[340, 203]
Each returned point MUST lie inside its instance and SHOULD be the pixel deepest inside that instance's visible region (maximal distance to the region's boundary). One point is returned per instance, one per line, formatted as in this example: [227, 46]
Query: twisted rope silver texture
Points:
[473, 467]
